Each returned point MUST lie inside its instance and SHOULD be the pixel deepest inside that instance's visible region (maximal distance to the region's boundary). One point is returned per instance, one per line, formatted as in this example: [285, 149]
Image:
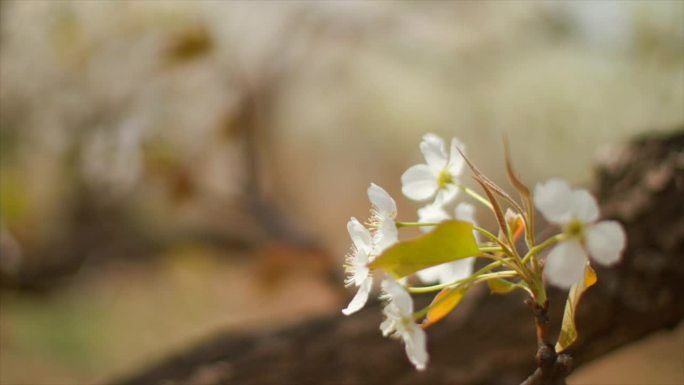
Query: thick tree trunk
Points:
[494, 343]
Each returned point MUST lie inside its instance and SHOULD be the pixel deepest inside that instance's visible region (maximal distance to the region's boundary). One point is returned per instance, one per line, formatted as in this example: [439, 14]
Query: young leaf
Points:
[490, 188]
[483, 180]
[568, 333]
[498, 214]
[449, 241]
[515, 224]
[525, 194]
[501, 286]
[444, 302]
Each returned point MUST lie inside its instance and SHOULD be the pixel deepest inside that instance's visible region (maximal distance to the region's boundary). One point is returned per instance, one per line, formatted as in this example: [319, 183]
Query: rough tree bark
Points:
[641, 184]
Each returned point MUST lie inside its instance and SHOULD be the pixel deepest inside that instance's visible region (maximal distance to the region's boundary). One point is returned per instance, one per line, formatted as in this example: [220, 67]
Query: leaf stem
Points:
[475, 278]
[414, 224]
[548, 242]
[515, 260]
[490, 249]
[481, 278]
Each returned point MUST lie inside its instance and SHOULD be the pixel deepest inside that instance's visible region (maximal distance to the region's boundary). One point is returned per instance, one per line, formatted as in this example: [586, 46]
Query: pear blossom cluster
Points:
[436, 185]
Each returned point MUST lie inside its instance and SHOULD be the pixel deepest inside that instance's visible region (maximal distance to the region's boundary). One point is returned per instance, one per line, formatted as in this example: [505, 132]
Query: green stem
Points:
[475, 196]
[484, 277]
[414, 224]
[515, 259]
[491, 236]
[488, 249]
[473, 278]
[538, 290]
[495, 239]
[548, 242]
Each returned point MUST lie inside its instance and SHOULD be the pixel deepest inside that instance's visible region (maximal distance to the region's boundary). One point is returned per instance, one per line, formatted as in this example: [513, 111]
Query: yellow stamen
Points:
[444, 179]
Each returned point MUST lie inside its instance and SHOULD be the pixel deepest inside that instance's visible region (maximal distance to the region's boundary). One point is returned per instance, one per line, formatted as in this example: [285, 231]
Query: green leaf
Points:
[444, 302]
[568, 333]
[449, 241]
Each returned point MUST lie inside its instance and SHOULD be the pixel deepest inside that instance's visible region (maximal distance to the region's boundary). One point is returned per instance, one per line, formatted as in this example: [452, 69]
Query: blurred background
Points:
[172, 169]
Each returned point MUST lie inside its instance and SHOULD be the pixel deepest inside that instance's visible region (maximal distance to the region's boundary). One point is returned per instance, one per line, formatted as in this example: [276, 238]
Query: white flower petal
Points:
[382, 200]
[433, 150]
[388, 325]
[606, 241]
[399, 322]
[447, 194]
[465, 212]
[583, 206]
[431, 274]
[359, 235]
[398, 295]
[565, 264]
[553, 199]
[386, 235]
[419, 182]
[361, 297]
[447, 272]
[360, 268]
[416, 346]
[460, 269]
[432, 213]
[456, 161]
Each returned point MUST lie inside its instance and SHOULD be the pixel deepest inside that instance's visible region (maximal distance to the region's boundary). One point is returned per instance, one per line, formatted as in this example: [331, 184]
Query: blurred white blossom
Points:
[577, 212]
[438, 176]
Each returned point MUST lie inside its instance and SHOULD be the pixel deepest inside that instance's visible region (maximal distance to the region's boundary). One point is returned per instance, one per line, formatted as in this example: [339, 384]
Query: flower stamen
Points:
[445, 179]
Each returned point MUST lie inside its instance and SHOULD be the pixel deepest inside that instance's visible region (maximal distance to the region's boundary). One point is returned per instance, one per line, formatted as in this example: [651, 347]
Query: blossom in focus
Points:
[399, 323]
[383, 217]
[356, 265]
[576, 211]
[438, 175]
[366, 246]
[456, 270]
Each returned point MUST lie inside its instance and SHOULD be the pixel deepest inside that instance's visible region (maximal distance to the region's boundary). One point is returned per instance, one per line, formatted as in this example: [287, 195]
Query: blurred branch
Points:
[641, 186]
[93, 228]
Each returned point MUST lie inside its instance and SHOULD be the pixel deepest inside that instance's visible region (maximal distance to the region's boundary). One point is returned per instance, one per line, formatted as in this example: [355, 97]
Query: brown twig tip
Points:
[552, 368]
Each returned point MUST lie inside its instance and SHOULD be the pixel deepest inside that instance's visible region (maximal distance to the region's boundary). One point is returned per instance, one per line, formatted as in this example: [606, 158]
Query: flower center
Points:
[575, 229]
[406, 322]
[444, 179]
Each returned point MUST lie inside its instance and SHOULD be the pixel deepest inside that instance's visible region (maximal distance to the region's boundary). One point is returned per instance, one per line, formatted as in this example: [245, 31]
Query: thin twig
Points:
[552, 368]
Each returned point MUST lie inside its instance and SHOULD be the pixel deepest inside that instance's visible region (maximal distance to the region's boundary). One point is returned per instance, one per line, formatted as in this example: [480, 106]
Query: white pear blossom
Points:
[432, 213]
[367, 246]
[576, 211]
[438, 175]
[399, 323]
[451, 271]
[383, 218]
[356, 265]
